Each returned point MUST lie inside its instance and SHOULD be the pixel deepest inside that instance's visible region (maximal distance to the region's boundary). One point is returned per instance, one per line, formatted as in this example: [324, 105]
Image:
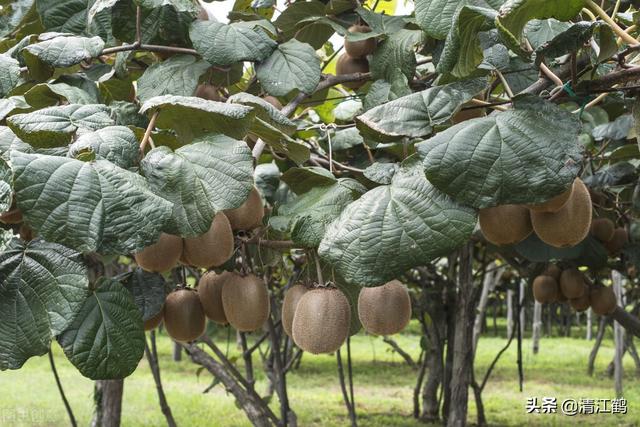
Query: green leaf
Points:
[381, 173]
[265, 111]
[42, 287]
[191, 117]
[525, 155]
[117, 144]
[571, 40]
[212, 174]
[514, 15]
[9, 74]
[13, 15]
[88, 206]
[415, 115]
[293, 65]
[179, 5]
[66, 51]
[49, 94]
[177, 75]
[63, 15]
[435, 16]
[540, 31]
[56, 126]
[225, 44]
[395, 60]
[309, 214]
[395, 227]
[148, 290]
[6, 178]
[106, 341]
[10, 105]
[462, 50]
[304, 11]
[301, 180]
[345, 139]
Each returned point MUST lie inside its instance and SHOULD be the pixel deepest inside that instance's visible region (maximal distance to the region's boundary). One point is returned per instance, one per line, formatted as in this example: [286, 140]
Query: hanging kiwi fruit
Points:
[245, 300]
[273, 101]
[360, 48]
[570, 224]
[581, 303]
[603, 300]
[505, 224]
[213, 248]
[184, 317]
[554, 204]
[249, 215]
[602, 229]
[322, 320]
[291, 299]
[210, 294]
[208, 92]
[154, 321]
[617, 242]
[545, 289]
[572, 283]
[162, 255]
[347, 64]
[386, 309]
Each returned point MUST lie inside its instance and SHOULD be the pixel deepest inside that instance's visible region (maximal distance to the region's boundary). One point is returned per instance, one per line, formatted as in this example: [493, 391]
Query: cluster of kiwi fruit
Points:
[211, 249]
[612, 238]
[562, 221]
[354, 60]
[319, 319]
[225, 298]
[572, 286]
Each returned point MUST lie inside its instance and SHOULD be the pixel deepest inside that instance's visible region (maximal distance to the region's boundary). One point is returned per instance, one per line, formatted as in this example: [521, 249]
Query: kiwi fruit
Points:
[211, 249]
[468, 114]
[554, 271]
[617, 241]
[208, 92]
[545, 289]
[603, 300]
[349, 65]
[249, 215]
[210, 294]
[554, 204]
[184, 317]
[154, 321]
[26, 233]
[572, 283]
[505, 224]
[162, 255]
[273, 101]
[602, 229]
[291, 299]
[568, 226]
[361, 48]
[386, 309]
[245, 301]
[322, 321]
[12, 216]
[581, 303]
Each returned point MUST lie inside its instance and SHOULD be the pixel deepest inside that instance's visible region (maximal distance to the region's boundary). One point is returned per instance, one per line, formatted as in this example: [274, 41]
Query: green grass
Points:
[383, 387]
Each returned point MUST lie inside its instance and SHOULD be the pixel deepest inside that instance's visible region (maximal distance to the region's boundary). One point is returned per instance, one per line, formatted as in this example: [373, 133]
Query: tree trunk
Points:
[509, 312]
[488, 284]
[522, 310]
[537, 327]
[463, 341]
[108, 400]
[618, 333]
[602, 325]
[589, 324]
[450, 313]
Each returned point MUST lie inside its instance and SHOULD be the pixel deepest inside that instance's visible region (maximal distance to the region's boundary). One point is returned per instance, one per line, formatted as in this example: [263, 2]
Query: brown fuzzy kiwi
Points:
[245, 301]
[211, 249]
[468, 114]
[581, 303]
[553, 271]
[361, 48]
[618, 241]
[602, 300]
[348, 65]
[572, 283]
[545, 289]
[208, 92]
[26, 233]
[12, 216]
[273, 101]
[291, 300]
[554, 204]
[184, 317]
[506, 224]
[210, 294]
[154, 322]
[322, 321]
[386, 309]
[568, 226]
[249, 215]
[603, 229]
[162, 255]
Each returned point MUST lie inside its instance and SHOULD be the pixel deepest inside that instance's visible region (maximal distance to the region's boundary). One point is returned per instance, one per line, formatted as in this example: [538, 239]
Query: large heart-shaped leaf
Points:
[11, 105]
[65, 51]
[191, 117]
[63, 15]
[415, 115]
[88, 206]
[395, 59]
[528, 154]
[163, 25]
[435, 16]
[212, 174]
[49, 94]
[265, 111]
[293, 65]
[148, 289]
[42, 287]
[308, 215]
[9, 74]
[55, 126]
[106, 341]
[177, 75]
[395, 227]
[225, 44]
[118, 144]
[301, 180]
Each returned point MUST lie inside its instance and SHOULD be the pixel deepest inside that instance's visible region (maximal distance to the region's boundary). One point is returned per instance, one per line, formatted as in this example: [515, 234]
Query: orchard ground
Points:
[383, 386]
